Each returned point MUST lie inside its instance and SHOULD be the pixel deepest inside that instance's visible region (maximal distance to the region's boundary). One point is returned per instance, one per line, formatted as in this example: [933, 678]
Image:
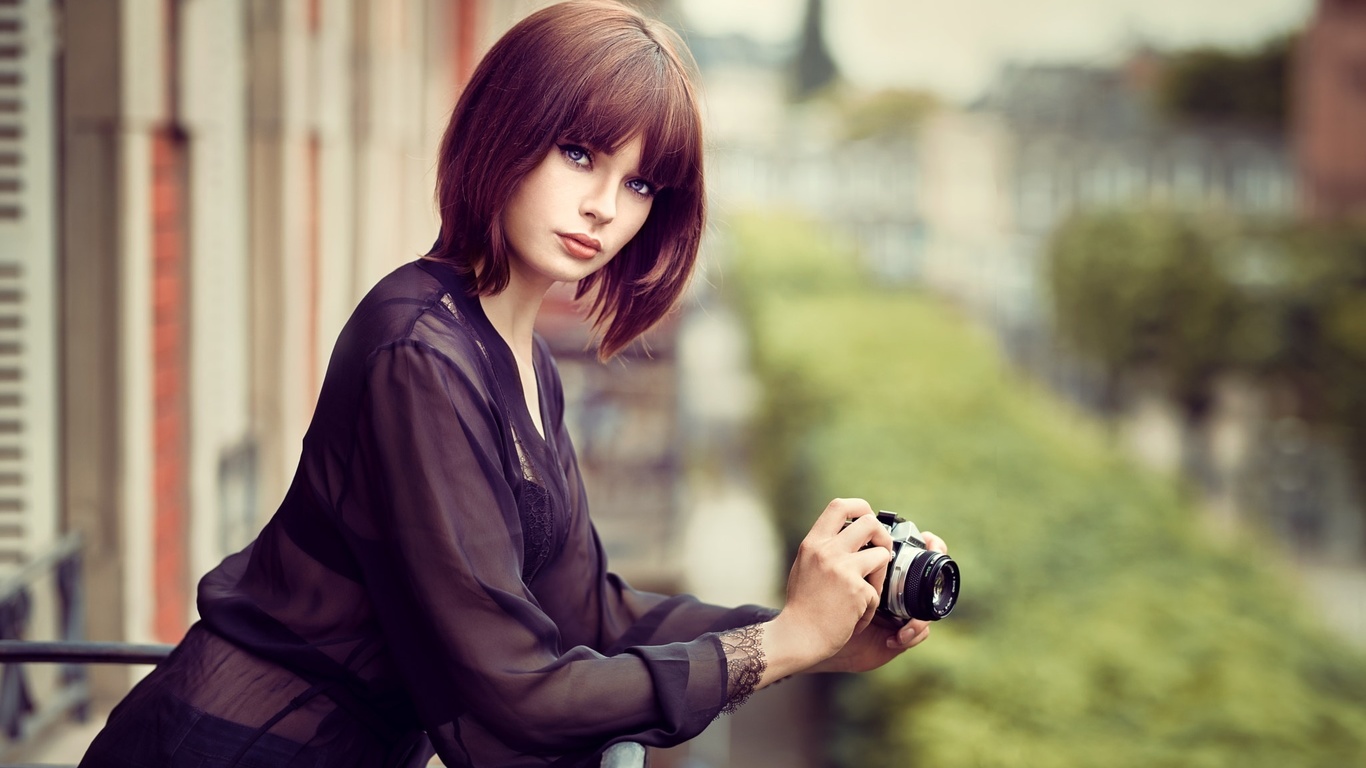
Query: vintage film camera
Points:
[921, 584]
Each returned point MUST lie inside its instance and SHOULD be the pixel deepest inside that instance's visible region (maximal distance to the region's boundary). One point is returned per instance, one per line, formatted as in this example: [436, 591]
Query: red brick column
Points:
[313, 262]
[170, 388]
[465, 52]
[1330, 110]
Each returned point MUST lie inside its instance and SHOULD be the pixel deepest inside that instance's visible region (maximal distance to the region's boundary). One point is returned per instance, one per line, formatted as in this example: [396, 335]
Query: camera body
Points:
[921, 584]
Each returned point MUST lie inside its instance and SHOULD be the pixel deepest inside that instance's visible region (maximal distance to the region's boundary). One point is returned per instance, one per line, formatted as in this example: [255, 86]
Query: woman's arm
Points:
[436, 532]
[435, 529]
[605, 612]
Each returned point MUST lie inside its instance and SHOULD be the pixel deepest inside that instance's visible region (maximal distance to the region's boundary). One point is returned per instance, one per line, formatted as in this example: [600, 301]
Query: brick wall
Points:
[466, 51]
[170, 383]
[313, 265]
[1330, 110]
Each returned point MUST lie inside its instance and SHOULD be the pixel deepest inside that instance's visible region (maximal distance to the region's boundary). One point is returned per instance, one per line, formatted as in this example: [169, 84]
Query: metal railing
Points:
[68, 653]
[72, 654]
[21, 715]
[624, 755]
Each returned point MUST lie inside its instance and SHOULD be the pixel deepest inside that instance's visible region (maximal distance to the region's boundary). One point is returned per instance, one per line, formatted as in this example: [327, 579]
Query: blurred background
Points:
[1080, 285]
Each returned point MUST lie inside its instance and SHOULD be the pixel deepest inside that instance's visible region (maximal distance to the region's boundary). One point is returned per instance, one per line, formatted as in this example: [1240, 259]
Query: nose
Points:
[600, 203]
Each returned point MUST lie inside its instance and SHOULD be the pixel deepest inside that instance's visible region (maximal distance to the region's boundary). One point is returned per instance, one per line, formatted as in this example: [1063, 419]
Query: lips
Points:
[580, 246]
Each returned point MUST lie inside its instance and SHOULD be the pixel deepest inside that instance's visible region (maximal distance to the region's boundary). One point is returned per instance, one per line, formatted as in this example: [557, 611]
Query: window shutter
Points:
[28, 384]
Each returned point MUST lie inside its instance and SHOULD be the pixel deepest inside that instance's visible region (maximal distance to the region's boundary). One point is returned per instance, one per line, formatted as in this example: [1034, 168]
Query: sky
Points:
[954, 47]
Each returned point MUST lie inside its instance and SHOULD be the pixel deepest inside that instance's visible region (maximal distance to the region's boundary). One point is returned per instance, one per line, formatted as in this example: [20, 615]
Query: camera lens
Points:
[931, 586]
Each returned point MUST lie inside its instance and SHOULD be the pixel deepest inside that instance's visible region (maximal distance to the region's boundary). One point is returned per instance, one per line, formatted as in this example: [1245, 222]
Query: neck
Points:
[513, 315]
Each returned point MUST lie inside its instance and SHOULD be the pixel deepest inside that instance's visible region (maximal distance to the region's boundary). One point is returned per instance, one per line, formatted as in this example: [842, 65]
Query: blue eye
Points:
[576, 154]
[641, 187]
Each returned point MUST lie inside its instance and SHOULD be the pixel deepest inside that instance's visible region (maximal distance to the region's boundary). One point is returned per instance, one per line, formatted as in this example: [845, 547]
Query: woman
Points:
[432, 572]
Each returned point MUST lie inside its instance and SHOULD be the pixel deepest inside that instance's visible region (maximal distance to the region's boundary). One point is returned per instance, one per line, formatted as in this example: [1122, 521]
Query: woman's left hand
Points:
[881, 640]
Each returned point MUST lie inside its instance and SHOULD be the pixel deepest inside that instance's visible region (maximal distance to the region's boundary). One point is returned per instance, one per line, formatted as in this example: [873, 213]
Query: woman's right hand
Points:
[834, 586]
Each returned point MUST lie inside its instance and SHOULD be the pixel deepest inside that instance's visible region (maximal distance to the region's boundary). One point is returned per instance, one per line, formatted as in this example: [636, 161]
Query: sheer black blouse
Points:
[433, 567]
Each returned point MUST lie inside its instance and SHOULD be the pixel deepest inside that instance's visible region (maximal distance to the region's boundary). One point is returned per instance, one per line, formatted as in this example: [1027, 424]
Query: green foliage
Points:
[889, 113]
[1144, 289]
[1319, 310]
[1222, 85]
[1097, 625]
[1189, 297]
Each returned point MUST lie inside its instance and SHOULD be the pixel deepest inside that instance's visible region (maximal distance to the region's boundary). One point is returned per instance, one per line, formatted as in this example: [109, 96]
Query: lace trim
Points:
[538, 528]
[449, 304]
[745, 664]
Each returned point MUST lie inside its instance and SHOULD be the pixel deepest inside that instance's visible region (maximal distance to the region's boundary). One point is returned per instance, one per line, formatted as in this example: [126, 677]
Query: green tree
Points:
[1188, 299]
[1097, 624]
[1145, 290]
[887, 113]
[1213, 84]
[1318, 311]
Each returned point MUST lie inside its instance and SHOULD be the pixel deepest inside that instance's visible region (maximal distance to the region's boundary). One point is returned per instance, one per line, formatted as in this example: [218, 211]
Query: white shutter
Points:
[28, 383]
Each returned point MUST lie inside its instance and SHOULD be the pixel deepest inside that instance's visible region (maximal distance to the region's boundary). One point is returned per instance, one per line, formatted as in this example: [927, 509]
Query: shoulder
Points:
[406, 345]
[413, 308]
[412, 326]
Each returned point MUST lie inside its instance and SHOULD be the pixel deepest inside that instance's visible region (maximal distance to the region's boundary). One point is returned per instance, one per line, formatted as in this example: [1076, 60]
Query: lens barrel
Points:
[920, 584]
[930, 588]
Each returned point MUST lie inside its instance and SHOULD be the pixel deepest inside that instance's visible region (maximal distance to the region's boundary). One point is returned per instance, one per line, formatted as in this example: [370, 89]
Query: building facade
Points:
[1330, 110]
[193, 196]
[1047, 140]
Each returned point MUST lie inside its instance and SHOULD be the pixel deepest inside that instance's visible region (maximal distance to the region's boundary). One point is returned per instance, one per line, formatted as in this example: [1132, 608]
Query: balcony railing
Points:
[22, 715]
[25, 711]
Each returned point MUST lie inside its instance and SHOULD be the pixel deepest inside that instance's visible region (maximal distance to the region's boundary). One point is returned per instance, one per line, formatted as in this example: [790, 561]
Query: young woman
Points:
[432, 574]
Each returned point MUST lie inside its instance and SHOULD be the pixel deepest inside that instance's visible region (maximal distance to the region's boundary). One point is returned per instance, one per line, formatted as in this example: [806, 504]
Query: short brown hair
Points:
[597, 73]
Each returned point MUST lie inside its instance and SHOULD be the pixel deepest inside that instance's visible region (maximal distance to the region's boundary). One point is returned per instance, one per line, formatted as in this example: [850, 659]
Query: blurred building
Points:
[193, 196]
[625, 420]
[970, 217]
[1049, 139]
[1330, 110]
[767, 153]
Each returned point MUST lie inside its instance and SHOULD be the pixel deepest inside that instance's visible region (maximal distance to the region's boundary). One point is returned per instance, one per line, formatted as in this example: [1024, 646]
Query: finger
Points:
[863, 531]
[836, 512]
[881, 537]
[901, 639]
[872, 559]
[919, 638]
[934, 543]
[855, 508]
[869, 611]
[908, 635]
[878, 578]
[913, 629]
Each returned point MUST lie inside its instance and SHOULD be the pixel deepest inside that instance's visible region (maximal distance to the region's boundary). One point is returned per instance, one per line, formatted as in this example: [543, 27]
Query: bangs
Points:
[628, 92]
[597, 73]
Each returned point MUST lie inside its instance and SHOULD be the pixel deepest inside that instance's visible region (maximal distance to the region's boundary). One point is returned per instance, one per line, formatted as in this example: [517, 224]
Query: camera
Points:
[921, 584]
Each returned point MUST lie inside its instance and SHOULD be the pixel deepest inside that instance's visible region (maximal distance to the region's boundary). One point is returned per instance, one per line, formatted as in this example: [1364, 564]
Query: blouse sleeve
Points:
[612, 614]
[436, 532]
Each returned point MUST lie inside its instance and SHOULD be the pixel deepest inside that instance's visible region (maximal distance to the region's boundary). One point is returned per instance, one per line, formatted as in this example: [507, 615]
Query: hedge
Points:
[1099, 624]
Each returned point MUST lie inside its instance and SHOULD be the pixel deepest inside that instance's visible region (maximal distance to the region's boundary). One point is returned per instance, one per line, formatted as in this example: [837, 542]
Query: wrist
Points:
[788, 647]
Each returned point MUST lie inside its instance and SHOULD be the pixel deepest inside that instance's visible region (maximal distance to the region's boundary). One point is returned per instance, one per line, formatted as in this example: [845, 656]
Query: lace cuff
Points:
[745, 664]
